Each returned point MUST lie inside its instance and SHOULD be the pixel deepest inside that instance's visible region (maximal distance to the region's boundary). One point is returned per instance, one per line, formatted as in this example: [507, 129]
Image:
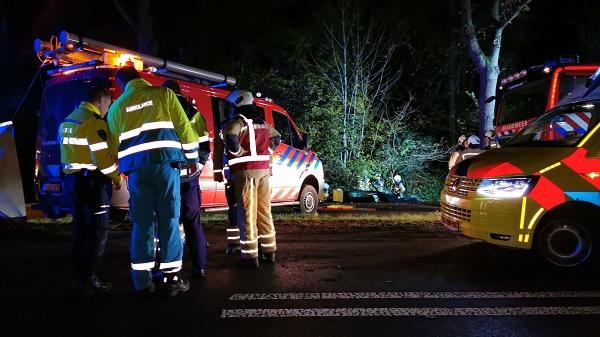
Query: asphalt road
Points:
[413, 280]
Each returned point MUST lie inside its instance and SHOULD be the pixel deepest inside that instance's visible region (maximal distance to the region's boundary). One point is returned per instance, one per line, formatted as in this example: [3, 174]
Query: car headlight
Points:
[505, 188]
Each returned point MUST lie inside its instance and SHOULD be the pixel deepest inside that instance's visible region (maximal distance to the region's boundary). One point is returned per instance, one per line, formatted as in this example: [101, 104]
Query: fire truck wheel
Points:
[309, 200]
[565, 243]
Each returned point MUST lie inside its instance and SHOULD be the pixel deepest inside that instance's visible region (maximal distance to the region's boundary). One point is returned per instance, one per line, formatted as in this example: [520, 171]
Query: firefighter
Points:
[398, 187]
[490, 140]
[221, 172]
[456, 153]
[191, 195]
[471, 148]
[88, 165]
[153, 137]
[248, 140]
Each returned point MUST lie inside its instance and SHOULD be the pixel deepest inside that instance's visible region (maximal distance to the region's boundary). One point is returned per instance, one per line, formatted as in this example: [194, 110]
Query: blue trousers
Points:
[154, 188]
[191, 197]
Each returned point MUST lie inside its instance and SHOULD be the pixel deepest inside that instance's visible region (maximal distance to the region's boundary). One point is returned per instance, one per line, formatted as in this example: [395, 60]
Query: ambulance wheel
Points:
[565, 243]
[309, 200]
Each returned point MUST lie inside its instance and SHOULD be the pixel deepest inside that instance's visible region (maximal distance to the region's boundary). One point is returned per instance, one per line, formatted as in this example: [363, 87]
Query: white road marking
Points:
[387, 312]
[412, 294]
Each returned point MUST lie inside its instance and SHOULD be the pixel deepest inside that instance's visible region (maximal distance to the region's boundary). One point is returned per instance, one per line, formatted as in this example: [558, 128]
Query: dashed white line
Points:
[411, 294]
[390, 312]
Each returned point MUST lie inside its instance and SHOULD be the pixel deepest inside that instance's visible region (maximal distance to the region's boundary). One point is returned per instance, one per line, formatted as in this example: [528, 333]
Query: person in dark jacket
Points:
[191, 195]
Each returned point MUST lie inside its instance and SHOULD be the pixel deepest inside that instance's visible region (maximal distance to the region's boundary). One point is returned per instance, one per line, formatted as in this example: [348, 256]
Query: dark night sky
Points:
[212, 31]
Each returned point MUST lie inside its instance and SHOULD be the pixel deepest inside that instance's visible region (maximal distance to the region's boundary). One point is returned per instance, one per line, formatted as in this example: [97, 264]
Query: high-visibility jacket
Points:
[247, 142]
[148, 126]
[84, 142]
[199, 127]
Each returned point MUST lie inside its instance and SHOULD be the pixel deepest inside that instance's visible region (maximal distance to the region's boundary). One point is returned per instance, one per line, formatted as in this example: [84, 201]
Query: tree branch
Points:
[515, 14]
[124, 14]
[473, 46]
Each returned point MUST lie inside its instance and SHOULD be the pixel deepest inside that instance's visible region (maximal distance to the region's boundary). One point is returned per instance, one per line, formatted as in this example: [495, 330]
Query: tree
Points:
[360, 73]
[143, 27]
[502, 13]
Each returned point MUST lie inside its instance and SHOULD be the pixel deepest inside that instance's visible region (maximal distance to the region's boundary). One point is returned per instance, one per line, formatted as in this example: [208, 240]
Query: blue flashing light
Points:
[220, 85]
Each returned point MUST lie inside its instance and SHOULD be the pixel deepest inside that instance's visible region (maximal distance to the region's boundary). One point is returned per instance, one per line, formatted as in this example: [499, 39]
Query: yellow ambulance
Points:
[540, 190]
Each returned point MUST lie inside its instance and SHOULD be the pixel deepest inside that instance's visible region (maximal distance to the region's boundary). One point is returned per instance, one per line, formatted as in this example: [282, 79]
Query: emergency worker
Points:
[398, 187]
[248, 139]
[489, 141]
[456, 153]
[221, 172]
[191, 195]
[149, 130]
[88, 165]
[471, 148]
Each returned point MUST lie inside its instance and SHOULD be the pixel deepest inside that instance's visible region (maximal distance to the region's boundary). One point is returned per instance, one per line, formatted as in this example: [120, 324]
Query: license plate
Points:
[450, 223]
[51, 187]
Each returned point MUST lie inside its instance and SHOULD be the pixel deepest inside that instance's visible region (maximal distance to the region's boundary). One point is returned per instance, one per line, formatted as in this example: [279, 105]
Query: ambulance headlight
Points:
[505, 188]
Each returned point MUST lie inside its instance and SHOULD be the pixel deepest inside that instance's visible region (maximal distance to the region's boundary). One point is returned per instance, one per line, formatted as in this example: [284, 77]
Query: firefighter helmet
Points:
[239, 98]
[474, 139]
[397, 178]
[461, 139]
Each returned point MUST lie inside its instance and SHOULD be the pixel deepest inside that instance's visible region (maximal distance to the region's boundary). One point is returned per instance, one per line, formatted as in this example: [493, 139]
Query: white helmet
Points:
[474, 139]
[397, 178]
[239, 98]
[489, 133]
[461, 139]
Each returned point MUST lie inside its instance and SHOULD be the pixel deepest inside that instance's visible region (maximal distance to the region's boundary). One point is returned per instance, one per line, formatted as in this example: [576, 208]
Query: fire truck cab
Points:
[525, 95]
[82, 63]
[540, 190]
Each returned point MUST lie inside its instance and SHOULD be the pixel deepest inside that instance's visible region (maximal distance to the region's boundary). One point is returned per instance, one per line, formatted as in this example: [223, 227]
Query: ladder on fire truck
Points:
[71, 52]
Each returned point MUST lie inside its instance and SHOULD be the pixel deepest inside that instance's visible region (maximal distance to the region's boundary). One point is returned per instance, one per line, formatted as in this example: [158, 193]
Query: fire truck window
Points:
[568, 83]
[282, 125]
[295, 138]
[221, 111]
[523, 102]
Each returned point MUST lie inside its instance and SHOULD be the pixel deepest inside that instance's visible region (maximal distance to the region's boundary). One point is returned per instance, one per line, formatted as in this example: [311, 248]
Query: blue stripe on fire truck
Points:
[293, 158]
[284, 155]
[302, 160]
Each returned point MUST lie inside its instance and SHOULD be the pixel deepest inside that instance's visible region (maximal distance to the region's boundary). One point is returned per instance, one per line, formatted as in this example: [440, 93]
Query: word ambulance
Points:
[82, 63]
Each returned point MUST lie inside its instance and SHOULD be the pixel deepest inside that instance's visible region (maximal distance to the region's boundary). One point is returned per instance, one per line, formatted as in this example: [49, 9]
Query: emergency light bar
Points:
[72, 49]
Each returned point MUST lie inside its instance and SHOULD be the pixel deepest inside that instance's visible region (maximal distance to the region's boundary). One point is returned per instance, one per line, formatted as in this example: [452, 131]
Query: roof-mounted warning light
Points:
[121, 59]
[513, 77]
[568, 59]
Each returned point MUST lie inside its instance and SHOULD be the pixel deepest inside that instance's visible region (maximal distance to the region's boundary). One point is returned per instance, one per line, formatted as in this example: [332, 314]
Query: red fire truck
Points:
[81, 63]
[527, 94]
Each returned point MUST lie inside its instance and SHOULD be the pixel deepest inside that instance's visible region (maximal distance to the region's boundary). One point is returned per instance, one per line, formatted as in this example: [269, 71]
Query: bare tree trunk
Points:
[143, 27]
[487, 66]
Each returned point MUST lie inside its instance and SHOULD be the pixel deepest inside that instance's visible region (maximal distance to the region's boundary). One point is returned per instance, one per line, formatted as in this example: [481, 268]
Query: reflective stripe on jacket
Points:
[253, 145]
[83, 139]
[148, 126]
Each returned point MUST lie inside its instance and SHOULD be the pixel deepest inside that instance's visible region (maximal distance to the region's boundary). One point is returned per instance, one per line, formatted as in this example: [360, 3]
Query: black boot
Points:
[267, 257]
[232, 250]
[175, 285]
[93, 285]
